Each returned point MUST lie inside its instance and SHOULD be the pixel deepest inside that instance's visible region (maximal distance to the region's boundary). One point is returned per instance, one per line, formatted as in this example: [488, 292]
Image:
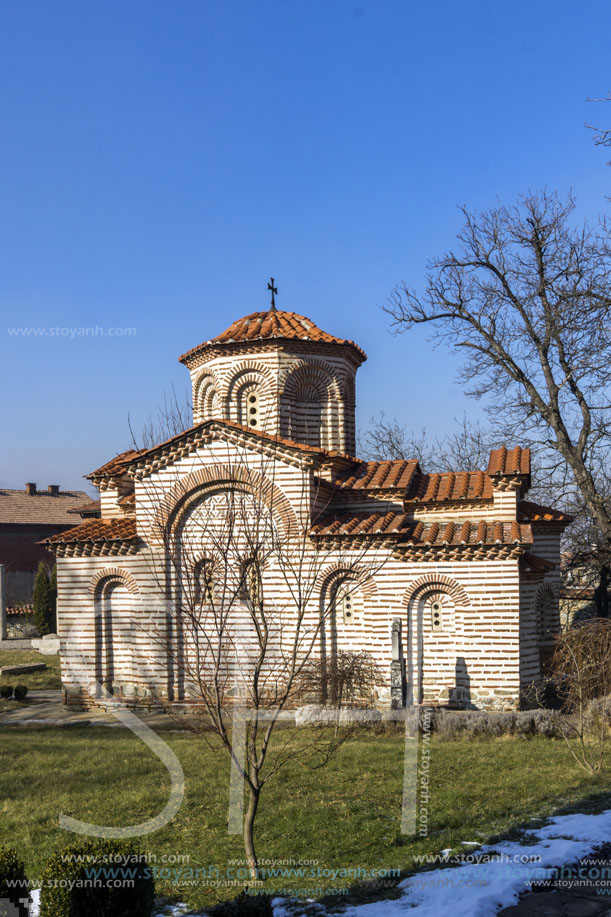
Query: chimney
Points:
[30, 489]
[53, 489]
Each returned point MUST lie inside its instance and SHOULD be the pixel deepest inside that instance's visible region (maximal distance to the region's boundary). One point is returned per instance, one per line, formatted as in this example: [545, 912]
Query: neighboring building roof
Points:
[97, 530]
[18, 507]
[272, 325]
[482, 532]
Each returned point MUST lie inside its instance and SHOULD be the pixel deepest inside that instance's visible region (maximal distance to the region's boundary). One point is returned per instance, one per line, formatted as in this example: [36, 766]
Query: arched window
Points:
[306, 416]
[249, 408]
[204, 581]
[115, 639]
[252, 587]
[205, 401]
[547, 613]
[347, 603]
[304, 404]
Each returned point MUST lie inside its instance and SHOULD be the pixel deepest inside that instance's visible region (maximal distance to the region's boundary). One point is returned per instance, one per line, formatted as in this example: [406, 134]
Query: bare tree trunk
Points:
[249, 824]
[601, 594]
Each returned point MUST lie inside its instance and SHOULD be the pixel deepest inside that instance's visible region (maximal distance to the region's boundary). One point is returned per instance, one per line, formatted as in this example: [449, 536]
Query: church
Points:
[450, 581]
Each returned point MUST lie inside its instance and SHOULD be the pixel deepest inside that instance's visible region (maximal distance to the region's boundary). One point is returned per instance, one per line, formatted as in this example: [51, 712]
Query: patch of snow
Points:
[34, 902]
[482, 889]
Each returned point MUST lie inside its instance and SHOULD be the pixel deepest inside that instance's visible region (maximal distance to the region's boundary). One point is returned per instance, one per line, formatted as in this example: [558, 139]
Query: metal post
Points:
[3, 622]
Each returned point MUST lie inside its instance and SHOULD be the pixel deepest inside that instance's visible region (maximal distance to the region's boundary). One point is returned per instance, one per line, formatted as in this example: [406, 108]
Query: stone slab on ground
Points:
[49, 645]
[14, 643]
[23, 669]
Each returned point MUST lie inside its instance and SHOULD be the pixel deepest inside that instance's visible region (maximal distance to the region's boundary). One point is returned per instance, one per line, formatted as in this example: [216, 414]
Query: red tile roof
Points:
[420, 533]
[98, 530]
[448, 486]
[506, 461]
[116, 465]
[17, 507]
[272, 325]
[534, 512]
[391, 475]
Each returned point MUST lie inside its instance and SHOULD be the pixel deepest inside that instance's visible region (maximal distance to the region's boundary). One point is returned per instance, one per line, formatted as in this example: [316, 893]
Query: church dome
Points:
[274, 324]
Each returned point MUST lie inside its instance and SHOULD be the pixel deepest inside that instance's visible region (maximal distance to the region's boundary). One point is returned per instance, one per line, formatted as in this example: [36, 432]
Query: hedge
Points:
[13, 870]
[79, 881]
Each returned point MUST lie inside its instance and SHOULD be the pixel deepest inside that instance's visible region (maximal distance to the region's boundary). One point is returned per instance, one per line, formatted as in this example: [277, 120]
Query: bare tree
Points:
[172, 417]
[581, 675]
[466, 448]
[248, 608]
[526, 298]
[602, 136]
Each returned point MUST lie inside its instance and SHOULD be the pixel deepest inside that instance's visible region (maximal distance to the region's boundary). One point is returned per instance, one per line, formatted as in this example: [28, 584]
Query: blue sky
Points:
[159, 160]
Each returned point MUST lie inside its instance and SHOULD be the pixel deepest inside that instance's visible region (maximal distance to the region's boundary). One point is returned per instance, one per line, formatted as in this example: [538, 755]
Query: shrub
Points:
[456, 724]
[244, 905]
[105, 861]
[6, 691]
[581, 674]
[20, 692]
[12, 870]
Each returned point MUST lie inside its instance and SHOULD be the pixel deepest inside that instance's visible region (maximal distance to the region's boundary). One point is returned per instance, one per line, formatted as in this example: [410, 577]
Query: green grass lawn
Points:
[344, 815]
[48, 678]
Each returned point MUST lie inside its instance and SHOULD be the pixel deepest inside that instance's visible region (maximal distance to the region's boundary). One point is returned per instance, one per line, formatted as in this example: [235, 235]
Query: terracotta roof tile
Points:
[535, 512]
[388, 475]
[449, 486]
[272, 325]
[97, 530]
[127, 500]
[506, 461]
[421, 533]
[116, 465]
[17, 507]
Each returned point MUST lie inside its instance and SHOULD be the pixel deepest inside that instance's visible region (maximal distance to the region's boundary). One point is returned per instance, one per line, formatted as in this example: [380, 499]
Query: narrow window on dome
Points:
[253, 409]
[248, 404]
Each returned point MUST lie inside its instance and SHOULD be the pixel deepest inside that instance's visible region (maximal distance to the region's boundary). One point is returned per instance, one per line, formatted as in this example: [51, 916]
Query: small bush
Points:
[456, 724]
[12, 870]
[105, 861]
[21, 692]
[6, 691]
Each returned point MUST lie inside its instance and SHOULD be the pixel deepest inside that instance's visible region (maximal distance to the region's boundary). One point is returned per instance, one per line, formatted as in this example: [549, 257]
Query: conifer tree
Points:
[52, 619]
[42, 599]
